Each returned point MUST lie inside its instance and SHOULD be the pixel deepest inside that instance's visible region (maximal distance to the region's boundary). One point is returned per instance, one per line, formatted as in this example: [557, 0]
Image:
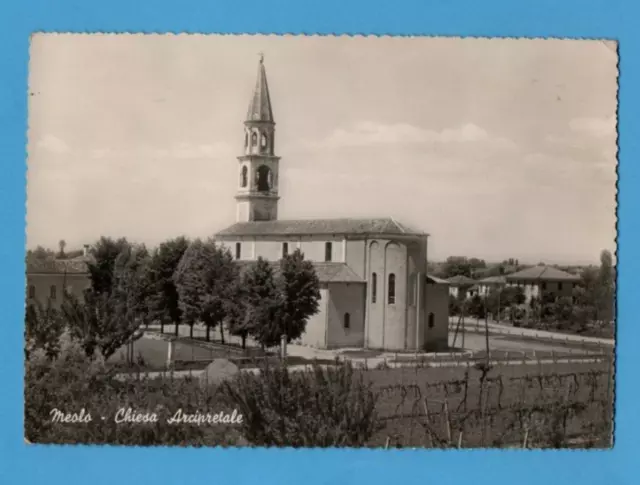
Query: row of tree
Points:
[181, 283]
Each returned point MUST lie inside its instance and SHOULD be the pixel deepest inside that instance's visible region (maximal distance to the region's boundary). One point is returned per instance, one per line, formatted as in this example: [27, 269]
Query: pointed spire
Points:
[260, 106]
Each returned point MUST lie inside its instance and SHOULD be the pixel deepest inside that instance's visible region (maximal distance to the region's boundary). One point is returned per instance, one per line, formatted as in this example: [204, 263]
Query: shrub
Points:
[72, 383]
[322, 407]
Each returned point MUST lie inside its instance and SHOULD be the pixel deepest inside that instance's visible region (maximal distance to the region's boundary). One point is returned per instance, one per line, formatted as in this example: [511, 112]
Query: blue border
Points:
[506, 18]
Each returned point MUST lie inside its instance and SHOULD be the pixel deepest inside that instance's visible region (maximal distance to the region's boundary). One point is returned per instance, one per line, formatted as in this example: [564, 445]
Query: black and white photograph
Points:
[321, 241]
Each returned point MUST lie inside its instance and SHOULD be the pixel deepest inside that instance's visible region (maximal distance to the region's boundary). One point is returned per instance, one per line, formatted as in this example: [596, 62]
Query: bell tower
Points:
[257, 194]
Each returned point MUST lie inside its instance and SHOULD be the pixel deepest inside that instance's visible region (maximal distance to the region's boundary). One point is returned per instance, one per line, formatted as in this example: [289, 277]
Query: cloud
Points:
[52, 144]
[368, 133]
[597, 127]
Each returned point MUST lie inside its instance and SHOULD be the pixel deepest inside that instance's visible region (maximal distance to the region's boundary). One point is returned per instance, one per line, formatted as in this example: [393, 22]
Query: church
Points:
[375, 290]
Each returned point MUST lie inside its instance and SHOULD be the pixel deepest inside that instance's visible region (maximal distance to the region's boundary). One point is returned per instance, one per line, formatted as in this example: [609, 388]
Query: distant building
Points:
[375, 291]
[486, 285]
[541, 280]
[47, 279]
[459, 284]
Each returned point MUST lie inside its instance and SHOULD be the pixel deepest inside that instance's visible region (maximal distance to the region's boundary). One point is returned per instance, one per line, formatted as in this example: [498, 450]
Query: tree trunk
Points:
[221, 332]
[191, 331]
[244, 342]
[162, 327]
[208, 333]
[177, 327]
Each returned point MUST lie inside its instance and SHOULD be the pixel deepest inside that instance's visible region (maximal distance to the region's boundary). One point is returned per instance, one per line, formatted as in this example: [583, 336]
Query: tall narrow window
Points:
[52, 292]
[374, 287]
[392, 289]
[432, 320]
[285, 249]
[254, 139]
[32, 291]
[243, 177]
[238, 250]
[263, 141]
[347, 321]
[327, 251]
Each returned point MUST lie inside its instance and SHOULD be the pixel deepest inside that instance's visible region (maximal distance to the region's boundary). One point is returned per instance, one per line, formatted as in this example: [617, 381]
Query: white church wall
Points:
[315, 334]
[437, 302]
[346, 298]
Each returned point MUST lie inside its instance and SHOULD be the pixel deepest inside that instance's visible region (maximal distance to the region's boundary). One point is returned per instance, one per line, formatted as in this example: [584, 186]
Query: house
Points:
[540, 281]
[375, 291]
[461, 283]
[47, 279]
[486, 285]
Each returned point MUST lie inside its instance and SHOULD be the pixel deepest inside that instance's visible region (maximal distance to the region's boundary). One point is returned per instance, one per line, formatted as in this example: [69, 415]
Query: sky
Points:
[498, 148]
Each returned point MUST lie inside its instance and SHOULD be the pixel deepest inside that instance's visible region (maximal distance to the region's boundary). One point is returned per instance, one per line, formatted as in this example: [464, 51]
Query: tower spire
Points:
[260, 105]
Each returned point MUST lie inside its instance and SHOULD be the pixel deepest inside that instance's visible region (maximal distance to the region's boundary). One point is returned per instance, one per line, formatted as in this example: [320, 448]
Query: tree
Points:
[101, 269]
[106, 320]
[163, 299]
[206, 282]
[61, 244]
[477, 307]
[261, 304]
[456, 266]
[298, 295]
[606, 288]
[43, 329]
[40, 254]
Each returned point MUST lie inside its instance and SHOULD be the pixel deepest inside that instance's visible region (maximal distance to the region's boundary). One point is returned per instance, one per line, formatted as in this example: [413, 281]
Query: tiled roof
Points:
[327, 272]
[460, 280]
[347, 226]
[58, 266]
[436, 280]
[260, 106]
[493, 280]
[542, 273]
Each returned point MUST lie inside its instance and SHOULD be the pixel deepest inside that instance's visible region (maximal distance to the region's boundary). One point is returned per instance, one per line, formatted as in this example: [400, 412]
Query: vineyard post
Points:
[445, 407]
[526, 435]
[460, 439]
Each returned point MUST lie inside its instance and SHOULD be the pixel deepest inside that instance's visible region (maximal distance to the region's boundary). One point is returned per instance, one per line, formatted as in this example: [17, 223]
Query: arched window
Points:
[432, 320]
[254, 139]
[347, 321]
[32, 291]
[243, 177]
[392, 289]
[263, 141]
[263, 178]
[374, 287]
[53, 292]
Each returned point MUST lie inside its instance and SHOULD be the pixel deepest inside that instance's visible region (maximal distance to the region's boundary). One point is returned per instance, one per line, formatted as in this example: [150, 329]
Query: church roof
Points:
[309, 227]
[542, 273]
[260, 106]
[327, 272]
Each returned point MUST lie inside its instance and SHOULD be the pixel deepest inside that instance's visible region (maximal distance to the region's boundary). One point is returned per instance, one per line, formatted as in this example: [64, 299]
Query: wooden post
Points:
[170, 354]
[447, 422]
[526, 436]
[283, 346]
[460, 440]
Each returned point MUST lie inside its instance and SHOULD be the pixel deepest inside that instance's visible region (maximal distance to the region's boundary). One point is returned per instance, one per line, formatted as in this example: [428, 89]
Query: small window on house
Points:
[52, 292]
[392, 289]
[374, 287]
[285, 249]
[432, 320]
[559, 286]
[327, 251]
[544, 286]
[238, 250]
[32, 291]
[347, 321]
[254, 139]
